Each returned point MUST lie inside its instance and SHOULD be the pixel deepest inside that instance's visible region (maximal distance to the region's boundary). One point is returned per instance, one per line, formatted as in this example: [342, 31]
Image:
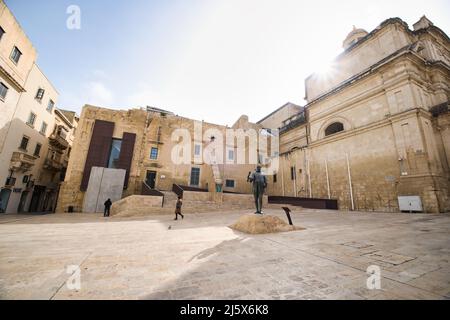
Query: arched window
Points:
[334, 128]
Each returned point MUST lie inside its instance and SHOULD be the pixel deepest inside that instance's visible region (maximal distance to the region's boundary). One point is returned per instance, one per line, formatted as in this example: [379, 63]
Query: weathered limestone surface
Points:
[199, 257]
[192, 202]
[259, 224]
[245, 200]
[136, 205]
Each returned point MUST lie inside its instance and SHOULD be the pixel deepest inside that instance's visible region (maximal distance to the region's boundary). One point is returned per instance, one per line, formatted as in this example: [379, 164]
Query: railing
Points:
[311, 203]
[178, 190]
[225, 191]
[52, 164]
[58, 141]
[294, 121]
[21, 161]
[147, 191]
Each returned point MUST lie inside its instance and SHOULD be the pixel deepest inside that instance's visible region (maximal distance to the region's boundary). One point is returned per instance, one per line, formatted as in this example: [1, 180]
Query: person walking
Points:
[178, 208]
[107, 204]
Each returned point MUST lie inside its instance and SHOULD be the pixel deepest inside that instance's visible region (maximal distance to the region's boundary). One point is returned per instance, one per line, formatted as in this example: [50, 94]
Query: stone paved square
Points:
[154, 257]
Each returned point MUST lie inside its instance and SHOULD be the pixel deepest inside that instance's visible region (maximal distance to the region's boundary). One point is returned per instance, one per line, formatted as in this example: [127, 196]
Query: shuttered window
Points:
[31, 119]
[229, 183]
[15, 55]
[195, 176]
[3, 91]
[37, 149]
[154, 153]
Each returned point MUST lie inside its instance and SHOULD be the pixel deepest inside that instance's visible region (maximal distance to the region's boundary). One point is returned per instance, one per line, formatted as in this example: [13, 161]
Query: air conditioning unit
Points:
[410, 203]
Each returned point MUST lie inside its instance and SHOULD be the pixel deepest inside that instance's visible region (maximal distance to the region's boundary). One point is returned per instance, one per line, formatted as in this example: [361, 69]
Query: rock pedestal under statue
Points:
[260, 224]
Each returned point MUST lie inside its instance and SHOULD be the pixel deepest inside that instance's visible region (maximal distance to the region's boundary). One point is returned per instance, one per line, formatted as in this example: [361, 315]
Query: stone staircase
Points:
[193, 202]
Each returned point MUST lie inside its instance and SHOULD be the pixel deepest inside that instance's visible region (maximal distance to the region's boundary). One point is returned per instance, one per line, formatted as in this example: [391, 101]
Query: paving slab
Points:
[199, 257]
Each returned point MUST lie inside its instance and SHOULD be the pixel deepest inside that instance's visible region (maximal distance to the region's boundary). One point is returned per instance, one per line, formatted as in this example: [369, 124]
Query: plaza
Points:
[154, 257]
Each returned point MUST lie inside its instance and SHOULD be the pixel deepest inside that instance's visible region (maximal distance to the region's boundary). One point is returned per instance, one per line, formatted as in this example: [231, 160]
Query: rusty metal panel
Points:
[126, 154]
[99, 149]
[312, 203]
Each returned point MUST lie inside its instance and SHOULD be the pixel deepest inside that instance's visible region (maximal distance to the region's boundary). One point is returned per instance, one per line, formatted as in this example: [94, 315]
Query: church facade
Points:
[378, 122]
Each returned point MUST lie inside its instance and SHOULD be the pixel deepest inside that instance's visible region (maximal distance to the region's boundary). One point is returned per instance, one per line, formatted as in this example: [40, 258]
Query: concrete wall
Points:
[104, 183]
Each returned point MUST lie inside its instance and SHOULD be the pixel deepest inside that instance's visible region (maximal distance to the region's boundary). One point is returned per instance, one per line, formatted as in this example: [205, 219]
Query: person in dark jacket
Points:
[178, 208]
[107, 204]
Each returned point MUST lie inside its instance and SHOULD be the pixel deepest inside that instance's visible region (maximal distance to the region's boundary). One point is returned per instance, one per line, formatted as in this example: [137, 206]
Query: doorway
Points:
[36, 199]
[4, 198]
[23, 200]
[151, 179]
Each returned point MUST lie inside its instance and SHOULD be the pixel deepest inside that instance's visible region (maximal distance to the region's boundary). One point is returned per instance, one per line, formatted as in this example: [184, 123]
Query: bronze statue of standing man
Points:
[259, 182]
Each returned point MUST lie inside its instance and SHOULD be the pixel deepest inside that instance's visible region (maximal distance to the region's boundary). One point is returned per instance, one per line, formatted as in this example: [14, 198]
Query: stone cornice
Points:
[374, 125]
[11, 78]
[404, 52]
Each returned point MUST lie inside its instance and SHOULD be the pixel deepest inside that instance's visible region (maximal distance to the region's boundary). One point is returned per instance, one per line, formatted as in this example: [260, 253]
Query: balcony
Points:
[439, 109]
[58, 141]
[52, 165]
[21, 161]
[293, 122]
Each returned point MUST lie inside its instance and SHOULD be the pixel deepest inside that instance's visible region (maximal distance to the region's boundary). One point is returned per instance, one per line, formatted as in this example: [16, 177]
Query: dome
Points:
[354, 36]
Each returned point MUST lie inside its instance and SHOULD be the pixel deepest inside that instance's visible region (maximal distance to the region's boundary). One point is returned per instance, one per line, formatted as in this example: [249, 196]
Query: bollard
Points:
[287, 211]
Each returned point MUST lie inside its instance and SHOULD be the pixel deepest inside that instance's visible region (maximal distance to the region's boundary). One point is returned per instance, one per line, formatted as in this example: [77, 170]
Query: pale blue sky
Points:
[210, 60]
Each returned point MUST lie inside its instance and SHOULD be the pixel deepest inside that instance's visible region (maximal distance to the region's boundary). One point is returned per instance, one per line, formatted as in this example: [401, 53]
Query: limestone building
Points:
[141, 142]
[33, 144]
[375, 130]
[378, 122]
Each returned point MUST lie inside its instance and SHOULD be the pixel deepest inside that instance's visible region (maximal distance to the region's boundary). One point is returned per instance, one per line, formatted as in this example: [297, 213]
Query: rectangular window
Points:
[114, 154]
[2, 32]
[50, 105]
[275, 178]
[292, 173]
[43, 128]
[40, 94]
[154, 153]
[197, 149]
[260, 158]
[37, 150]
[195, 176]
[15, 55]
[31, 119]
[229, 183]
[230, 154]
[24, 143]
[3, 91]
